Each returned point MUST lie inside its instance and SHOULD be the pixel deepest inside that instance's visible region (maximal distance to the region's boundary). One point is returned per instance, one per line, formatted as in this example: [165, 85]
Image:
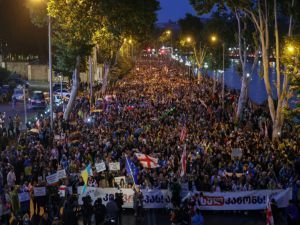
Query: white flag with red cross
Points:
[183, 161]
[270, 219]
[147, 161]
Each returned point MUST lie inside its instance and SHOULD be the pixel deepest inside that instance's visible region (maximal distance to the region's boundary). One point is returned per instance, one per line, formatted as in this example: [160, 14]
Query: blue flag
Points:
[132, 169]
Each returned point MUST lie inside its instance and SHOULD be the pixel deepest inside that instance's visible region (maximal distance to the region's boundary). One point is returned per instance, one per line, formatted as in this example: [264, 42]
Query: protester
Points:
[100, 211]
[197, 218]
[146, 113]
[138, 202]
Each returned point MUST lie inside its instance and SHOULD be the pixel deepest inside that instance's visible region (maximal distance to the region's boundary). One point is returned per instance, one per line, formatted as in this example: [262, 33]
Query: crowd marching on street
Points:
[161, 129]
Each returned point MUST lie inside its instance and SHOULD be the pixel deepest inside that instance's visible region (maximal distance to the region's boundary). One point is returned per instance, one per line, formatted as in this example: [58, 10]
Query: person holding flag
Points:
[147, 161]
[270, 219]
[183, 161]
[132, 169]
[85, 176]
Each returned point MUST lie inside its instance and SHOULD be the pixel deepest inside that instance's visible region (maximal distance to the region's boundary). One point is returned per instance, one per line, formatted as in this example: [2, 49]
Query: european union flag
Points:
[132, 169]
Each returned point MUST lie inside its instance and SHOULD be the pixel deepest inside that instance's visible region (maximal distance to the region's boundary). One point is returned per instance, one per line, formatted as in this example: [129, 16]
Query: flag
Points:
[183, 134]
[132, 169]
[270, 219]
[147, 161]
[183, 161]
[85, 175]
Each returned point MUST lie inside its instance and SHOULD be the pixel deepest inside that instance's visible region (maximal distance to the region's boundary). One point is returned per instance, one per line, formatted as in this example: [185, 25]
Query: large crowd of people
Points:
[145, 112]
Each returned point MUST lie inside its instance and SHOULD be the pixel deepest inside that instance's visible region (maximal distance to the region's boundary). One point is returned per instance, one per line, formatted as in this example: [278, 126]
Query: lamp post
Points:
[50, 72]
[25, 106]
[169, 33]
[50, 66]
[214, 39]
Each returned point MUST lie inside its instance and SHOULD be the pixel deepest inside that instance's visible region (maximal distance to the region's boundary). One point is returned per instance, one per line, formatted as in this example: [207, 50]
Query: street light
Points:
[131, 47]
[214, 39]
[50, 65]
[291, 49]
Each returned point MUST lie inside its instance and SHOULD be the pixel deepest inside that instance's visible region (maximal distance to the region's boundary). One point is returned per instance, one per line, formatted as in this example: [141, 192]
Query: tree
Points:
[79, 25]
[191, 35]
[75, 22]
[246, 38]
[123, 19]
[195, 34]
[261, 13]
[291, 62]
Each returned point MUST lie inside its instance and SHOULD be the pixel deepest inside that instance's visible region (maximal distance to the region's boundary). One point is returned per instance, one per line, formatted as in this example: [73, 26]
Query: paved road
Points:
[161, 217]
[19, 109]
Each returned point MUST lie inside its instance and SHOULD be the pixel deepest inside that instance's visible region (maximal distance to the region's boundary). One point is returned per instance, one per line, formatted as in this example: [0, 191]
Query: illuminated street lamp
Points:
[189, 39]
[291, 49]
[169, 33]
[214, 39]
[50, 65]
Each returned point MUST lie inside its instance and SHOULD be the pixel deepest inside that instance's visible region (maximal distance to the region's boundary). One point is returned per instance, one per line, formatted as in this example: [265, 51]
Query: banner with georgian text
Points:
[246, 200]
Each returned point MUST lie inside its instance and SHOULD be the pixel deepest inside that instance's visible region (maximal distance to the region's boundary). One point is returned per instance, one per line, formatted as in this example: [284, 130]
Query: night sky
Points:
[174, 10]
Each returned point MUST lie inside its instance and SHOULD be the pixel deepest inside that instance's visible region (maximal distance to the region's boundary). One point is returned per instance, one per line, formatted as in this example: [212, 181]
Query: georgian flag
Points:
[147, 161]
[183, 134]
[270, 219]
[183, 161]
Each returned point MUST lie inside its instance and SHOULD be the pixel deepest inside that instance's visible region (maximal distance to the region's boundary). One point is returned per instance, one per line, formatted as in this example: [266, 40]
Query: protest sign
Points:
[115, 166]
[100, 167]
[39, 191]
[24, 196]
[61, 174]
[119, 179]
[51, 179]
[244, 200]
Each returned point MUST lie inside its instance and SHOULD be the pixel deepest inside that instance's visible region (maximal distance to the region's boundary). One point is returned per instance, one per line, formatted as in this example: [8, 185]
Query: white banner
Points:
[24, 196]
[54, 178]
[248, 200]
[245, 200]
[39, 191]
[114, 166]
[51, 179]
[61, 174]
[152, 198]
[100, 167]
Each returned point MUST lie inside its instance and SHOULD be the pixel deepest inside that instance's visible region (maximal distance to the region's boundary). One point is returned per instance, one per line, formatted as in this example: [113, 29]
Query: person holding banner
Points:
[138, 201]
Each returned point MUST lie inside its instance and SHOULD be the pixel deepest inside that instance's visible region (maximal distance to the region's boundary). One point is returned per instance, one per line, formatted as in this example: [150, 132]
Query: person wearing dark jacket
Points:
[100, 211]
[45, 219]
[69, 216]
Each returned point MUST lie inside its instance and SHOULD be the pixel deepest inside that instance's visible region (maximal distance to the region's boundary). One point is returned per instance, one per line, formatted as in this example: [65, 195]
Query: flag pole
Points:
[130, 170]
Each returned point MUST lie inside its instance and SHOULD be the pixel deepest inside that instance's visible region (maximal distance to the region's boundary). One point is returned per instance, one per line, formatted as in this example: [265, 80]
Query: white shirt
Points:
[11, 178]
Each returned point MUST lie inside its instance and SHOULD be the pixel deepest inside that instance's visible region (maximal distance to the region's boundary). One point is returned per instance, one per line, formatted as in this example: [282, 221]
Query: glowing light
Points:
[291, 49]
[213, 38]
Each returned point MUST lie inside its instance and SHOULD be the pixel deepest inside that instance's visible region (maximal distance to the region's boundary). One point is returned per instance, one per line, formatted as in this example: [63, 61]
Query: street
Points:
[19, 109]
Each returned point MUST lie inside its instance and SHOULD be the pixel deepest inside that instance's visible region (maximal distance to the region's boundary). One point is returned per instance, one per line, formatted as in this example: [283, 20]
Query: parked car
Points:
[18, 94]
[64, 92]
[57, 86]
[37, 100]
